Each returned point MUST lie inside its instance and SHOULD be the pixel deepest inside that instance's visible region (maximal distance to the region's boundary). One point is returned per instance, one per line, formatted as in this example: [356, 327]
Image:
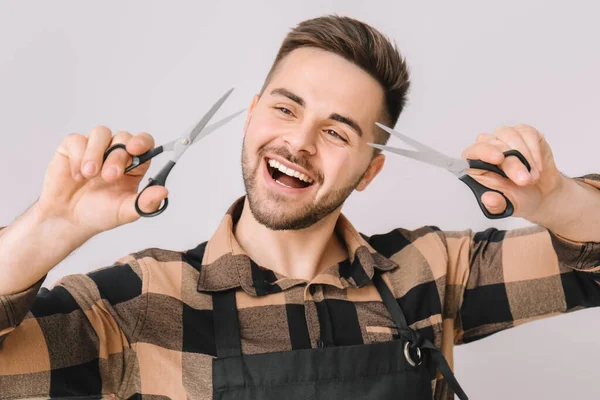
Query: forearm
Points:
[31, 246]
[572, 212]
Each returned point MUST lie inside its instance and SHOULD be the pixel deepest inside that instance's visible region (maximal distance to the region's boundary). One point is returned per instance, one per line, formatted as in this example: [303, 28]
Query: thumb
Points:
[149, 201]
[494, 202]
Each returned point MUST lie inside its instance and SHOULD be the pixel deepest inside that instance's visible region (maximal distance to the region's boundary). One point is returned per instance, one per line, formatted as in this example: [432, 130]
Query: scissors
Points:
[178, 147]
[456, 166]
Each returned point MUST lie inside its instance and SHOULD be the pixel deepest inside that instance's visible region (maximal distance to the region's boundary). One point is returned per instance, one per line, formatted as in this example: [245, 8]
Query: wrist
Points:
[555, 204]
[32, 245]
[561, 209]
[71, 235]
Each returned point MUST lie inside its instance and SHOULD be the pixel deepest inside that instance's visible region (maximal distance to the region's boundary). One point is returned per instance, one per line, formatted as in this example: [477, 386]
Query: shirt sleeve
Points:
[500, 279]
[72, 340]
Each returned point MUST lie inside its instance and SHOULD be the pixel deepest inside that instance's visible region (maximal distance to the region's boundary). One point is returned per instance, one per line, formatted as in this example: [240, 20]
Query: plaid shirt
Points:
[143, 327]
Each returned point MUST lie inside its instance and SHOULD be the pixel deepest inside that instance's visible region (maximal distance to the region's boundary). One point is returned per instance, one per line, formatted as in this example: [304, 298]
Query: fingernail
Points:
[523, 176]
[89, 168]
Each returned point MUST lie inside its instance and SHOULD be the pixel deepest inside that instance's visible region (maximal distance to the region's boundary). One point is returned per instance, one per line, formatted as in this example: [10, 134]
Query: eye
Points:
[336, 135]
[284, 110]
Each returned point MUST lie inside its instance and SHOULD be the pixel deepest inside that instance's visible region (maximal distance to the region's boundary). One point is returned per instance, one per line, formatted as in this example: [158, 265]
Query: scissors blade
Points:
[200, 125]
[209, 129]
[454, 165]
[411, 141]
[212, 127]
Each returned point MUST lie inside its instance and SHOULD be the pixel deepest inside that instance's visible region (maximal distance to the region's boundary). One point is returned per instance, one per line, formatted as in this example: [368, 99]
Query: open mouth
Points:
[287, 177]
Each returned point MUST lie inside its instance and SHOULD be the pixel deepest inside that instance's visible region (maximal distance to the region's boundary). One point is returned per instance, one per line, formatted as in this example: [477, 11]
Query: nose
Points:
[302, 138]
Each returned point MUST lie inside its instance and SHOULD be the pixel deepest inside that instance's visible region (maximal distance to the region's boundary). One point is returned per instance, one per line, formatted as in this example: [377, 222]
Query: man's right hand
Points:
[93, 196]
[76, 203]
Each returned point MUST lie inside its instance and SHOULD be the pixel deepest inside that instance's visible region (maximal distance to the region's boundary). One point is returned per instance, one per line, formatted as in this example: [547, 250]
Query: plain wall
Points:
[156, 66]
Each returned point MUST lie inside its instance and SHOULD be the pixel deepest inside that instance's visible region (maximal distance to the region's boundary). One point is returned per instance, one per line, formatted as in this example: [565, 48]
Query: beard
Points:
[288, 216]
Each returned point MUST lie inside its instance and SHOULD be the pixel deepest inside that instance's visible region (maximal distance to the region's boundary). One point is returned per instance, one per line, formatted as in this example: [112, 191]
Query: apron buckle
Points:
[409, 358]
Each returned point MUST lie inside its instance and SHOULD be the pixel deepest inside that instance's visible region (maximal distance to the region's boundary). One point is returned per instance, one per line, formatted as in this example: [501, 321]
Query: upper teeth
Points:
[289, 171]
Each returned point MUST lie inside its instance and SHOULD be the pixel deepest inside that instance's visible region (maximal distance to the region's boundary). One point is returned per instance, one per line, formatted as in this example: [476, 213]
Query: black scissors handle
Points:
[136, 161]
[478, 189]
[159, 180]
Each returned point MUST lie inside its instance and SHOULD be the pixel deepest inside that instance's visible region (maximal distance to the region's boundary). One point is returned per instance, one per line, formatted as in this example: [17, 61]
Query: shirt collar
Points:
[225, 265]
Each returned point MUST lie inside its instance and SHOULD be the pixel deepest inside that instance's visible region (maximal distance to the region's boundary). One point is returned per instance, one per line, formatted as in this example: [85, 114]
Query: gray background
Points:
[66, 66]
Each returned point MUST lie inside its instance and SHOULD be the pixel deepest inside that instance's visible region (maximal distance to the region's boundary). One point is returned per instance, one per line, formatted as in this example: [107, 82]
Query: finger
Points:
[140, 143]
[150, 201]
[533, 139]
[117, 160]
[74, 147]
[483, 137]
[494, 202]
[98, 141]
[512, 166]
[489, 152]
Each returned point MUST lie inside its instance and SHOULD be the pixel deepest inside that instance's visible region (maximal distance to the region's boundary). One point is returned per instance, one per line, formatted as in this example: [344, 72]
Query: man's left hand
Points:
[527, 191]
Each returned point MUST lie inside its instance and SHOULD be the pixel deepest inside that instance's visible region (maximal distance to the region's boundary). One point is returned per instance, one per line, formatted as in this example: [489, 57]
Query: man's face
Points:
[312, 121]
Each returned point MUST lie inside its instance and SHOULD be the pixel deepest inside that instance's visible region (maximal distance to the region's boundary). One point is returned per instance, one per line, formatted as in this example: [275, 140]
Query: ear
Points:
[250, 110]
[375, 166]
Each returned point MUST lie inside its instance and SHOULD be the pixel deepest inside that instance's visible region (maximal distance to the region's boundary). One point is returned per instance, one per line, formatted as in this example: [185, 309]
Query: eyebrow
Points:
[335, 116]
[345, 120]
[289, 95]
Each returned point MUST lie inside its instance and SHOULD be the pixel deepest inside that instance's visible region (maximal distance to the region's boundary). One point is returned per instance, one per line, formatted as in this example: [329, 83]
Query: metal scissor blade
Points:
[453, 165]
[411, 141]
[212, 127]
[170, 146]
[200, 125]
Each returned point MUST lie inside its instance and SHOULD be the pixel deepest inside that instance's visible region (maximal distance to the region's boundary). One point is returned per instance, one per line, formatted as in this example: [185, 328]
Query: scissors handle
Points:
[136, 161]
[478, 189]
[159, 180]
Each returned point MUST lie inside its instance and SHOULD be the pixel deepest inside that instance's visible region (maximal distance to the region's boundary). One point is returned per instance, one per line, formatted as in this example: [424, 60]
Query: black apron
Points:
[399, 369]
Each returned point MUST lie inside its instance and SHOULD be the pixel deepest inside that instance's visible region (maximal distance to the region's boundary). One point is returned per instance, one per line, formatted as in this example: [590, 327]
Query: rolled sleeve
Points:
[14, 307]
[582, 256]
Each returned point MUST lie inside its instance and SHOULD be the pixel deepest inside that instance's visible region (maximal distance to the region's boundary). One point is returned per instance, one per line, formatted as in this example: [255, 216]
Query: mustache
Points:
[294, 159]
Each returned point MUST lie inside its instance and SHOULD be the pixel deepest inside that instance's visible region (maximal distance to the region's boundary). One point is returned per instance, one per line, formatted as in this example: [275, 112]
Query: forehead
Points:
[330, 83]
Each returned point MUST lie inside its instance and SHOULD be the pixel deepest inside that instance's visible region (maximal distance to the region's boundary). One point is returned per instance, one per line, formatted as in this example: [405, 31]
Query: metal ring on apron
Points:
[409, 357]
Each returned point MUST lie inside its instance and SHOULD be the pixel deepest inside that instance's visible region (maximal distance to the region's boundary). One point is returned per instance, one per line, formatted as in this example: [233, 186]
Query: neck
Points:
[299, 254]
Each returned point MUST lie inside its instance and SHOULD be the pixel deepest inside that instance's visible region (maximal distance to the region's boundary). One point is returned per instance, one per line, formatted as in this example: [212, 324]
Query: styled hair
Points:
[362, 45]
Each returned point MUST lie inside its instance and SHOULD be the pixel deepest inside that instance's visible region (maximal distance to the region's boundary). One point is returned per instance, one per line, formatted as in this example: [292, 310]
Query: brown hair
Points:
[362, 45]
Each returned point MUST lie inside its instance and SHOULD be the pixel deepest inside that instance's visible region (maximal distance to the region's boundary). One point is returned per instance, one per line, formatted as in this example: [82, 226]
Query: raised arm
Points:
[67, 341]
[72, 340]
[501, 279]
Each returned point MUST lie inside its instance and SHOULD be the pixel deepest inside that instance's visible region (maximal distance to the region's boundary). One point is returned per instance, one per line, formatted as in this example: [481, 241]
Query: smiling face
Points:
[305, 139]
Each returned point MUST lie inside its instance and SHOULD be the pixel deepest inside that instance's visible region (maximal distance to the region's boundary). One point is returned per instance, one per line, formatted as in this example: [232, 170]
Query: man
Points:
[287, 299]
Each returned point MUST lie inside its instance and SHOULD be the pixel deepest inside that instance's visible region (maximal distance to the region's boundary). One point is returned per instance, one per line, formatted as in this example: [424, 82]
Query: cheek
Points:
[262, 128]
[340, 172]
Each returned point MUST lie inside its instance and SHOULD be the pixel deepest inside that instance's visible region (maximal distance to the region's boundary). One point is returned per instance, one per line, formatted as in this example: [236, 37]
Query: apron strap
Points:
[442, 365]
[326, 339]
[413, 336]
[227, 326]
[390, 302]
